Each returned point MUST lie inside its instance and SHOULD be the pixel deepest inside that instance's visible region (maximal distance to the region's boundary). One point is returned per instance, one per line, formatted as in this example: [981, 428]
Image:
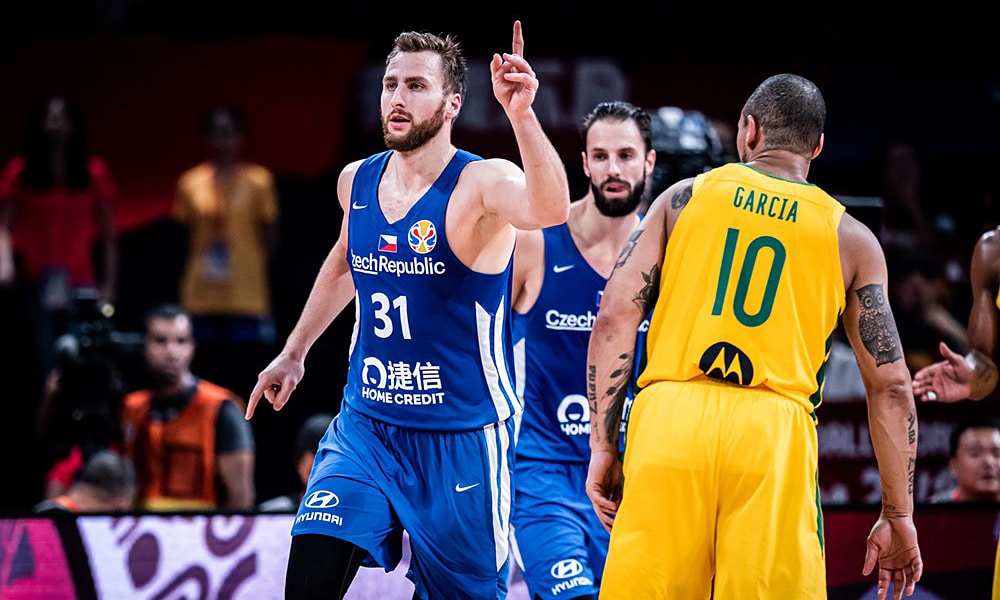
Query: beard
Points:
[610, 208]
[420, 132]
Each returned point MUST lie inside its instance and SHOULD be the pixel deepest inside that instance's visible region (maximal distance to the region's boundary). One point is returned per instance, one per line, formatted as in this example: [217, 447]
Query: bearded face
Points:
[618, 206]
[420, 132]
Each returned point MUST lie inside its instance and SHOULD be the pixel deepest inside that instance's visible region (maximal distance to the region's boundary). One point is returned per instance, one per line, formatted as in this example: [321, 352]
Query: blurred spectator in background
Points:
[55, 219]
[307, 440]
[905, 223]
[106, 483]
[975, 462]
[187, 437]
[921, 307]
[230, 208]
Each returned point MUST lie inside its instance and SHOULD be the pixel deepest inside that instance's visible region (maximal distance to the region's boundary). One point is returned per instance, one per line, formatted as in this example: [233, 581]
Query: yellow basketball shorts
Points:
[720, 491]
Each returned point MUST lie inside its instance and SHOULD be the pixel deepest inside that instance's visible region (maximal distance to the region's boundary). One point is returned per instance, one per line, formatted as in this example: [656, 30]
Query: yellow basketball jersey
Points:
[751, 289]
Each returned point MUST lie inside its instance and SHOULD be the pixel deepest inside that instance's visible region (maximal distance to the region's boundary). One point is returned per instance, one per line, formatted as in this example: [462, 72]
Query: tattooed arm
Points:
[892, 415]
[628, 297]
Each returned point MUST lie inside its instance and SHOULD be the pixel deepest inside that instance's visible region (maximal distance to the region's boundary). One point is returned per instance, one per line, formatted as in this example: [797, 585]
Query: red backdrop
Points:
[141, 97]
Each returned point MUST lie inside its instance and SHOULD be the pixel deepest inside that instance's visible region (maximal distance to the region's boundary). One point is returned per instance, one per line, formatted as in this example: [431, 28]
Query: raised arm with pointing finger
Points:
[424, 438]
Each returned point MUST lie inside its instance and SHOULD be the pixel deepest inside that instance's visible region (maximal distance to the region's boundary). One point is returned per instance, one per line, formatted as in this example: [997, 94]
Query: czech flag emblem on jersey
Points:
[422, 236]
[386, 243]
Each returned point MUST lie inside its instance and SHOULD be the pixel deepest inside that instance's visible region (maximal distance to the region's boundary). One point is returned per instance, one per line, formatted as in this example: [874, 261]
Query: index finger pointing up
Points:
[517, 46]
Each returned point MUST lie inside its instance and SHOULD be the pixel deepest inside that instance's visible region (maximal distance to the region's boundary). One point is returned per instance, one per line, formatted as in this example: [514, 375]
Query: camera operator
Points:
[82, 398]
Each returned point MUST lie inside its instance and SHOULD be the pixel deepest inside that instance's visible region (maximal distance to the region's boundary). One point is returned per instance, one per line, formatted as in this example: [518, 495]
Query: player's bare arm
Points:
[629, 295]
[892, 417]
[331, 292]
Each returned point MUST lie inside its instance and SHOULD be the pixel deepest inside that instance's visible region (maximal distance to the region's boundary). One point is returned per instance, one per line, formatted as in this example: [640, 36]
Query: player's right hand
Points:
[948, 380]
[604, 485]
[276, 383]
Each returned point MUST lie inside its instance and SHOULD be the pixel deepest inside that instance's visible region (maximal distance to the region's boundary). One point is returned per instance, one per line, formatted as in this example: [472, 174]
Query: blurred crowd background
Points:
[911, 141]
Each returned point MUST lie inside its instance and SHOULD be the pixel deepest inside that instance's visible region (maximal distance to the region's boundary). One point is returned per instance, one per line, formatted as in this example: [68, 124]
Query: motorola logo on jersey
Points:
[322, 499]
[574, 415]
[566, 568]
[725, 361]
[422, 236]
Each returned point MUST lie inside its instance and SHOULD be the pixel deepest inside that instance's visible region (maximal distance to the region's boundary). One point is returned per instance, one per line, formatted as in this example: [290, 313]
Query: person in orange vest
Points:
[187, 437]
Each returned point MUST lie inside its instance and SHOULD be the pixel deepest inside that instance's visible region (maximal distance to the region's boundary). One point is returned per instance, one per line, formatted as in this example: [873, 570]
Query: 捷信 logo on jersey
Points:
[322, 499]
[373, 372]
[422, 236]
[725, 361]
[568, 567]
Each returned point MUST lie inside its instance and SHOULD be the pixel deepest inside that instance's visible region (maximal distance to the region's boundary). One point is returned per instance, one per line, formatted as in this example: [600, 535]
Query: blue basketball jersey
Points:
[556, 330]
[432, 345]
[551, 342]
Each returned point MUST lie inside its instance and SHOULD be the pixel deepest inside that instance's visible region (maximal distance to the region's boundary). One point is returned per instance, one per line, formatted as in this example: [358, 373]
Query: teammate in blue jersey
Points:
[559, 277]
[424, 438]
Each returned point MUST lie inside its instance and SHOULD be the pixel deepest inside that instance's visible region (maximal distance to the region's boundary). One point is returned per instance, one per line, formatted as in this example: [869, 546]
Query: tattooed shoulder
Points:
[681, 197]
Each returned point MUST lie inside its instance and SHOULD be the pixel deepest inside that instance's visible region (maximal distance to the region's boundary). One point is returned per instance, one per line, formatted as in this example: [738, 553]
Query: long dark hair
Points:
[37, 172]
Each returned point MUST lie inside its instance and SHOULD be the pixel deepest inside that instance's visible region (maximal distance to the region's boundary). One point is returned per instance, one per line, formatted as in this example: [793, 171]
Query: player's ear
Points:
[819, 146]
[453, 106]
[753, 133]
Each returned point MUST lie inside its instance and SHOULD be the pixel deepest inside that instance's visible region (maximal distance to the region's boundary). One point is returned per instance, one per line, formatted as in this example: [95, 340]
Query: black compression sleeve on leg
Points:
[320, 567]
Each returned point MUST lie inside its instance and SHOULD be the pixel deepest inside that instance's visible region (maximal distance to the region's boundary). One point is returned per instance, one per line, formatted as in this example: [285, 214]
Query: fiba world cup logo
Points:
[422, 236]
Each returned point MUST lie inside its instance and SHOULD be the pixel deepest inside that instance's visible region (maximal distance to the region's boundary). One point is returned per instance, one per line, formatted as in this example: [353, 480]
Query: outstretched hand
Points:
[892, 545]
[276, 383]
[948, 380]
[514, 82]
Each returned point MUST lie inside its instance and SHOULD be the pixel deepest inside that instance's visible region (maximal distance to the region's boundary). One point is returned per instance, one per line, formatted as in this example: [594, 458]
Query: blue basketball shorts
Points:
[558, 542]
[450, 491]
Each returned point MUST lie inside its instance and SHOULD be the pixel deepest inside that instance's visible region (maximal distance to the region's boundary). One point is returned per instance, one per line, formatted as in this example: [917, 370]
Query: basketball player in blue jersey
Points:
[559, 277]
[424, 438]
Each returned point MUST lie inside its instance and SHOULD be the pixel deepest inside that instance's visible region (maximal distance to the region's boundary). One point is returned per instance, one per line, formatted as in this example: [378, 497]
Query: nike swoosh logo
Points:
[460, 488]
[561, 268]
[357, 206]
